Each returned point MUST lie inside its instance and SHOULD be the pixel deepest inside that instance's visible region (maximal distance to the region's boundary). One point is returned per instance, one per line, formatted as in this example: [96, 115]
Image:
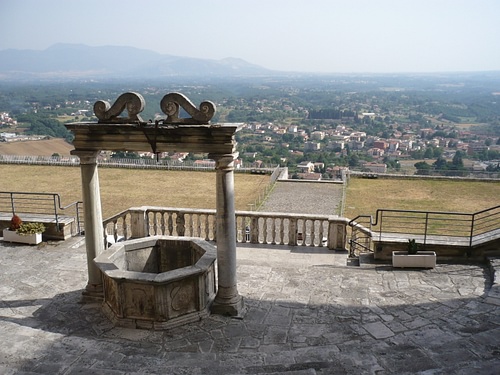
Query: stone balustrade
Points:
[268, 228]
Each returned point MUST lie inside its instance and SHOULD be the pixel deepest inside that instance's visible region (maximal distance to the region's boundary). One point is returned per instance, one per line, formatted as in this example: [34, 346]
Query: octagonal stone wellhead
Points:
[158, 282]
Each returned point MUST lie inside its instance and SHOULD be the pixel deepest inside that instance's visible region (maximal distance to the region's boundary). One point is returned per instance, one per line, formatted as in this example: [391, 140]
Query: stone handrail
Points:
[269, 228]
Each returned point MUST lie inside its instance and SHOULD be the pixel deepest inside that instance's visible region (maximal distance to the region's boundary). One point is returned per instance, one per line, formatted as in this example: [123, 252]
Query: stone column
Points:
[227, 301]
[94, 234]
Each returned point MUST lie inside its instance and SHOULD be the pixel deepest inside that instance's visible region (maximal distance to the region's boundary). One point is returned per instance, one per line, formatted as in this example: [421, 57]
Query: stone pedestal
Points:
[94, 235]
[337, 233]
[227, 301]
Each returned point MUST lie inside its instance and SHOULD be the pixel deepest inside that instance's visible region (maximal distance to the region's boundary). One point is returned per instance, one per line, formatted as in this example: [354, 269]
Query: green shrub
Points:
[30, 228]
[412, 246]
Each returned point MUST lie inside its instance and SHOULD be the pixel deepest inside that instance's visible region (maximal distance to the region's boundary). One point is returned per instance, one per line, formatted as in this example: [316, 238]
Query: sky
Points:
[321, 36]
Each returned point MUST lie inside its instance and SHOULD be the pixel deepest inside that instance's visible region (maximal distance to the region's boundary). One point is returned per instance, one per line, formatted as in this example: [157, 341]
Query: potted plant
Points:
[412, 246]
[414, 257]
[29, 233]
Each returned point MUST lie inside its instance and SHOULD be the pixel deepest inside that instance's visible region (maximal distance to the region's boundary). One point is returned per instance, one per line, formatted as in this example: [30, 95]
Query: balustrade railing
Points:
[252, 227]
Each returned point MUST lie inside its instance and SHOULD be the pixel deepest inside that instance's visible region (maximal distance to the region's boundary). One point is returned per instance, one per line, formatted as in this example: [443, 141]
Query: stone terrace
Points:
[307, 313]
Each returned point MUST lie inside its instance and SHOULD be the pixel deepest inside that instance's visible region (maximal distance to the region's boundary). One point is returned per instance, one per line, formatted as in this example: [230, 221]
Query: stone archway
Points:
[114, 132]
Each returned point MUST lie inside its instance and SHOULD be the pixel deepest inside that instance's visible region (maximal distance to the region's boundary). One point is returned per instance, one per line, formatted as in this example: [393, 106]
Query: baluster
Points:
[147, 223]
[115, 229]
[190, 226]
[273, 230]
[150, 222]
[301, 231]
[313, 234]
[207, 228]
[214, 228]
[320, 234]
[187, 223]
[254, 230]
[245, 229]
[264, 230]
[162, 223]
[155, 225]
[292, 231]
[180, 224]
[282, 231]
[198, 227]
[170, 224]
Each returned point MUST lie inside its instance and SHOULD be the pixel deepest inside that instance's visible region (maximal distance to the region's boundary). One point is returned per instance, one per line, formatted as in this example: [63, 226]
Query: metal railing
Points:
[41, 204]
[427, 227]
[251, 226]
[361, 235]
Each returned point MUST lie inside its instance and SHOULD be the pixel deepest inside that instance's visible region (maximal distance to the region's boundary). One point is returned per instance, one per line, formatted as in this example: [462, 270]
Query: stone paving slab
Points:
[308, 312]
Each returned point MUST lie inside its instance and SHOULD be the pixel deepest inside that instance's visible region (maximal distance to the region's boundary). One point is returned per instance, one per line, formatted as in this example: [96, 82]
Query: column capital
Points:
[86, 156]
[224, 161]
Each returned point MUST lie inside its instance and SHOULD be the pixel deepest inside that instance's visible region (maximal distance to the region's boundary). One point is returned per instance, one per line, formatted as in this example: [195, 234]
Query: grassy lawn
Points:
[364, 196]
[124, 188]
[68, 118]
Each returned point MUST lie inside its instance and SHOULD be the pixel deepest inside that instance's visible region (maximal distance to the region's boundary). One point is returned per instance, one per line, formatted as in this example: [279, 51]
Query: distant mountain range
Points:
[70, 61]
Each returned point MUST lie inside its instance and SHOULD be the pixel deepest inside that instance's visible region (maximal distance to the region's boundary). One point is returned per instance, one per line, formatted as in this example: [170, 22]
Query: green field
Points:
[124, 188]
[365, 196]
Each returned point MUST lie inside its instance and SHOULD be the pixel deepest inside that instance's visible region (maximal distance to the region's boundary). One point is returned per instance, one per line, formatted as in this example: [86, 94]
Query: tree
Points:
[353, 160]
[440, 164]
[124, 155]
[457, 160]
[429, 153]
[423, 168]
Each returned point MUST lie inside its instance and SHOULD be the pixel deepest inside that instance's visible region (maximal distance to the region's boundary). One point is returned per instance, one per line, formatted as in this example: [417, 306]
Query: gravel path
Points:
[304, 198]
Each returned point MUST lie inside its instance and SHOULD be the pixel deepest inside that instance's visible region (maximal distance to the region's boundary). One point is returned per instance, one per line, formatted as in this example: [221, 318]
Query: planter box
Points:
[12, 236]
[423, 259]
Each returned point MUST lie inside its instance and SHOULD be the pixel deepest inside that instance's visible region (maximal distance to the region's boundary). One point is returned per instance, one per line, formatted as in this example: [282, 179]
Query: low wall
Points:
[62, 229]
[383, 250]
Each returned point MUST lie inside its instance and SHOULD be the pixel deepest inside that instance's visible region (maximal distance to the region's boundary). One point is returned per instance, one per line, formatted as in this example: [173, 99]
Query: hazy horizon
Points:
[318, 36]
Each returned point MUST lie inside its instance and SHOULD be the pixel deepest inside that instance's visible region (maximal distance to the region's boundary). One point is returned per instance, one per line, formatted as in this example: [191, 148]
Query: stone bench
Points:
[62, 229]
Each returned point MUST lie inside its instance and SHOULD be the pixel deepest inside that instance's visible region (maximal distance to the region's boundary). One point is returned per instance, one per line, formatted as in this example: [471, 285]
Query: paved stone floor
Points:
[308, 312]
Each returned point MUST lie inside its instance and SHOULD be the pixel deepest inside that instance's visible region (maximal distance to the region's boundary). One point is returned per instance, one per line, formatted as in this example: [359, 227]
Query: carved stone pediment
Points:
[110, 114]
[170, 105]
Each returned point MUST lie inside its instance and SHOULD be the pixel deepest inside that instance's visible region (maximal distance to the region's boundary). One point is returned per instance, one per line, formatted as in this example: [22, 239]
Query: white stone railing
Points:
[268, 228]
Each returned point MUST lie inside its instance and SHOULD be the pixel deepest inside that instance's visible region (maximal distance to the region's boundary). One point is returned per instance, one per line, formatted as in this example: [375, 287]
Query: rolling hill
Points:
[46, 147]
[70, 61]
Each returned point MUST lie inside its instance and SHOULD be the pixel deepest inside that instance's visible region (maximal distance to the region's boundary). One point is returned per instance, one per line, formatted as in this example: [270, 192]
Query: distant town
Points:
[413, 125]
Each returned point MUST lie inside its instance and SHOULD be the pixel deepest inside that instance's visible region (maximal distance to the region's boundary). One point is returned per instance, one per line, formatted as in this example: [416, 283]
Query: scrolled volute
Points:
[171, 103]
[132, 101]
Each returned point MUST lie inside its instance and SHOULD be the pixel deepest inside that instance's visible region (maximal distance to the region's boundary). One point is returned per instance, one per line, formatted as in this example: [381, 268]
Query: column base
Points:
[229, 307]
[93, 293]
